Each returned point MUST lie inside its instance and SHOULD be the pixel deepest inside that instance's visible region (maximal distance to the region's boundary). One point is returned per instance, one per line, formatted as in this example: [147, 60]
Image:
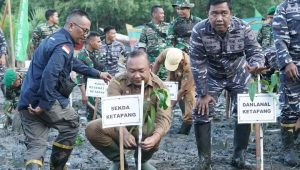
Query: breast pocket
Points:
[211, 45]
[293, 23]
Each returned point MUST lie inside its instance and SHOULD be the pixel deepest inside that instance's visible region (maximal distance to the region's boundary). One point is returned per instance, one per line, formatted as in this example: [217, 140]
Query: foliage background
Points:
[120, 12]
[135, 12]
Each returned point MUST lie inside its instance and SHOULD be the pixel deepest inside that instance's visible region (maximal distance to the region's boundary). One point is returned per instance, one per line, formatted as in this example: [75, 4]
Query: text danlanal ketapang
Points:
[120, 115]
[260, 107]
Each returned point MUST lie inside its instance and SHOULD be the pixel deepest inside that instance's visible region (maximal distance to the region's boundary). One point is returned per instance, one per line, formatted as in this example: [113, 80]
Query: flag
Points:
[134, 35]
[22, 34]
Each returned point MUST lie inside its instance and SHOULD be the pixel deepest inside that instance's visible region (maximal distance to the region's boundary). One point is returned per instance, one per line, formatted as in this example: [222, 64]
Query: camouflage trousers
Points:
[215, 88]
[289, 99]
[2, 71]
[36, 128]
[90, 110]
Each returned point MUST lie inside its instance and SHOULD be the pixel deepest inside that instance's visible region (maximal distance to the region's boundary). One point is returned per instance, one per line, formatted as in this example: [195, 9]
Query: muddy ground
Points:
[177, 152]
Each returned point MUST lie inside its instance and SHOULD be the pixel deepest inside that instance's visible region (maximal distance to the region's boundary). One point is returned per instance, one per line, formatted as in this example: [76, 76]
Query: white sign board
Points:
[27, 63]
[262, 110]
[96, 88]
[121, 111]
[173, 89]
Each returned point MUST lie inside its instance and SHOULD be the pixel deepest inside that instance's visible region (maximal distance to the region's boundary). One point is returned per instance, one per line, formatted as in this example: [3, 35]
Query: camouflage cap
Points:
[185, 4]
[10, 76]
[176, 3]
[271, 10]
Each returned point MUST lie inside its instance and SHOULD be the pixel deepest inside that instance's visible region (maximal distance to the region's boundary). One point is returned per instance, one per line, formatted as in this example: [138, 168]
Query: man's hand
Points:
[292, 72]
[129, 139]
[2, 60]
[173, 103]
[256, 69]
[202, 104]
[105, 76]
[297, 124]
[150, 142]
[35, 111]
[84, 99]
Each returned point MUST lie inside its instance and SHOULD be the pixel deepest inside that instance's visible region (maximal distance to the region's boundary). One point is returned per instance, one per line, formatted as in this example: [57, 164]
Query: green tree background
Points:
[120, 12]
[135, 12]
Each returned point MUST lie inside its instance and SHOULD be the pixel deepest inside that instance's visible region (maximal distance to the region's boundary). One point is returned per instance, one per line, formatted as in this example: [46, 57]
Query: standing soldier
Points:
[177, 63]
[223, 52]
[111, 50]
[44, 30]
[286, 29]
[265, 33]
[90, 56]
[154, 34]
[3, 53]
[180, 29]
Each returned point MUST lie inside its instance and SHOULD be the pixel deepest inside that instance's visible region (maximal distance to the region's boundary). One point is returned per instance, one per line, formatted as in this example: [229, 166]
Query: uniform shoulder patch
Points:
[66, 49]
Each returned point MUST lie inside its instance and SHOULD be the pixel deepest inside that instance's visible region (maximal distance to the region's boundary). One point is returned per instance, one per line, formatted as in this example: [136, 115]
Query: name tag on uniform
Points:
[173, 89]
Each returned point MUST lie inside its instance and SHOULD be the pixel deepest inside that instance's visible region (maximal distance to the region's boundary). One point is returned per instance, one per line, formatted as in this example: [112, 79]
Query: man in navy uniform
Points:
[44, 101]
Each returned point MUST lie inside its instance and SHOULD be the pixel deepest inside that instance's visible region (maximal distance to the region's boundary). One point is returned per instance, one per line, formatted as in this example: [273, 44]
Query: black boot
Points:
[146, 156]
[240, 143]
[112, 152]
[185, 128]
[287, 135]
[203, 139]
[33, 165]
[59, 156]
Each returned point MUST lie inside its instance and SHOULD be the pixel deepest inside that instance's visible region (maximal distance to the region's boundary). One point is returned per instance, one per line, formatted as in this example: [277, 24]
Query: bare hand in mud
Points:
[150, 142]
[129, 139]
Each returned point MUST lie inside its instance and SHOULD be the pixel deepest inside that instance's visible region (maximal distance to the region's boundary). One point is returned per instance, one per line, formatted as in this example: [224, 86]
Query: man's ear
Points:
[151, 66]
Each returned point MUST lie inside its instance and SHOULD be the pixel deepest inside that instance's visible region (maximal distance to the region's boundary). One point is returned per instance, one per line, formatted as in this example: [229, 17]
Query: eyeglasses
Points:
[85, 30]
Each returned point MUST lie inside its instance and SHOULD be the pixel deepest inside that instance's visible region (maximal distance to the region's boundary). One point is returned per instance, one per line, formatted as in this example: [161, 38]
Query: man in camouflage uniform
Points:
[12, 83]
[90, 56]
[181, 28]
[3, 53]
[154, 37]
[154, 34]
[44, 30]
[286, 29]
[129, 83]
[224, 52]
[265, 33]
[111, 51]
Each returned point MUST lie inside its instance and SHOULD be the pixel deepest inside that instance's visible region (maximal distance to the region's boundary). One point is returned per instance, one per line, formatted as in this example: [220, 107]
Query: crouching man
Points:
[129, 83]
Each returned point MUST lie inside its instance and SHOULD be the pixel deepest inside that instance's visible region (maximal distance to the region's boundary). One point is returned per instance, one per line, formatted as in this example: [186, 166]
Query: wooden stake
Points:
[259, 138]
[141, 127]
[96, 108]
[258, 148]
[11, 37]
[121, 149]
[228, 104]
[4, 15]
